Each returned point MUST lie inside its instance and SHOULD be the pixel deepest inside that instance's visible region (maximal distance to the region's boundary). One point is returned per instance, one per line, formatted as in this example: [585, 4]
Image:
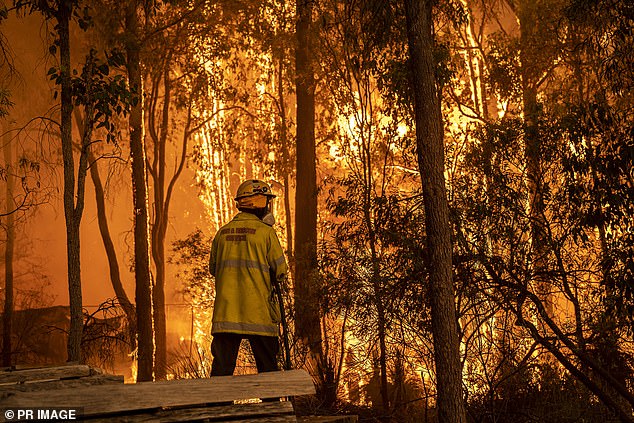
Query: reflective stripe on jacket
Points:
[245, 253]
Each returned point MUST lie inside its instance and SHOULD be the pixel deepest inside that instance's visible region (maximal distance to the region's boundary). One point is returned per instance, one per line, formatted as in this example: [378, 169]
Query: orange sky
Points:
[32, 96]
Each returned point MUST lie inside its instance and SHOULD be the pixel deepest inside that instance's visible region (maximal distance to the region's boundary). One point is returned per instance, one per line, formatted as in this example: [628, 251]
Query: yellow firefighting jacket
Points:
[245, 253]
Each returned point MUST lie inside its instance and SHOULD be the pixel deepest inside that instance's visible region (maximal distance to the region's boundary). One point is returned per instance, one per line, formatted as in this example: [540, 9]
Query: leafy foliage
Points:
[109, 96]
[191, 254]
[230, 69]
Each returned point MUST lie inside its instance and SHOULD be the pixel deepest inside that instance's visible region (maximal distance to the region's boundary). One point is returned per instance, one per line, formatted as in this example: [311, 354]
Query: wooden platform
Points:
[170, 401]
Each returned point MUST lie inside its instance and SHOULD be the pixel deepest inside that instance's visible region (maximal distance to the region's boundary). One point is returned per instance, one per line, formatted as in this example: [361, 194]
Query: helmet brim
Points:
[268, 194]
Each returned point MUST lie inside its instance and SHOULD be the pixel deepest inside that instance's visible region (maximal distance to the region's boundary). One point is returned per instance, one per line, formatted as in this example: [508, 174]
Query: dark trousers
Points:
[225, 346]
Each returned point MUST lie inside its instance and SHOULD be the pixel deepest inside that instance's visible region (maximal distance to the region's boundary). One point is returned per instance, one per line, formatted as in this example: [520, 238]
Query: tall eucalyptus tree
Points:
[430, 147]
[143, 290]
[307, 305]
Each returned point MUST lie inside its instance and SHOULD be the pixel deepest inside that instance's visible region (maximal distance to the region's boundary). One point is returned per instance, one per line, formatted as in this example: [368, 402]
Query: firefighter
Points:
[245, 255]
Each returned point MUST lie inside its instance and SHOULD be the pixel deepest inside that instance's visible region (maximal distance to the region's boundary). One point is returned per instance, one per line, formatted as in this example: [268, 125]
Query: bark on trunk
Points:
[143, 291]
[307, 310]
[286, 165]
[72, 216]
[159, 225]
[429, 135]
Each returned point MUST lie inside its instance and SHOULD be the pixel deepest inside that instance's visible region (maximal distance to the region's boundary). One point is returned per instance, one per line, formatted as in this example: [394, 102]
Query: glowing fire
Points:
[133, 367]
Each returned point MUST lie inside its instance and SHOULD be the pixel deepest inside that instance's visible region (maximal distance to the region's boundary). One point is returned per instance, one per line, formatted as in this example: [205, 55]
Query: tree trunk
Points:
[7, 315]
[286, 165]
[111, 253]
[430, 146]
[163, 188]
[73, 218]
[143, 291]
[159, 225]
[381, 325]
[104, 230]
[377, 297]
[307, 310]
[527, 13]
[158, 301]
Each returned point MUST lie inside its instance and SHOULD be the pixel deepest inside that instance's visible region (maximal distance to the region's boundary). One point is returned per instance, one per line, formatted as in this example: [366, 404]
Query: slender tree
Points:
[163, 188]
[113, 263]
[104, 230]
[177, 84]
[287, 164]
[159, 130]
[74, 183]
[430, 147]
[143, 290]
[307, 314]
[72, 211]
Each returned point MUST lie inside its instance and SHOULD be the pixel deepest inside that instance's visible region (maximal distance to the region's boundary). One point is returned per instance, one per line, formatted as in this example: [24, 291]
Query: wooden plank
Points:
[267, 419]
[97, 400]
[48, 385]
[328, 419]
[262, 412]
[44, 373]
